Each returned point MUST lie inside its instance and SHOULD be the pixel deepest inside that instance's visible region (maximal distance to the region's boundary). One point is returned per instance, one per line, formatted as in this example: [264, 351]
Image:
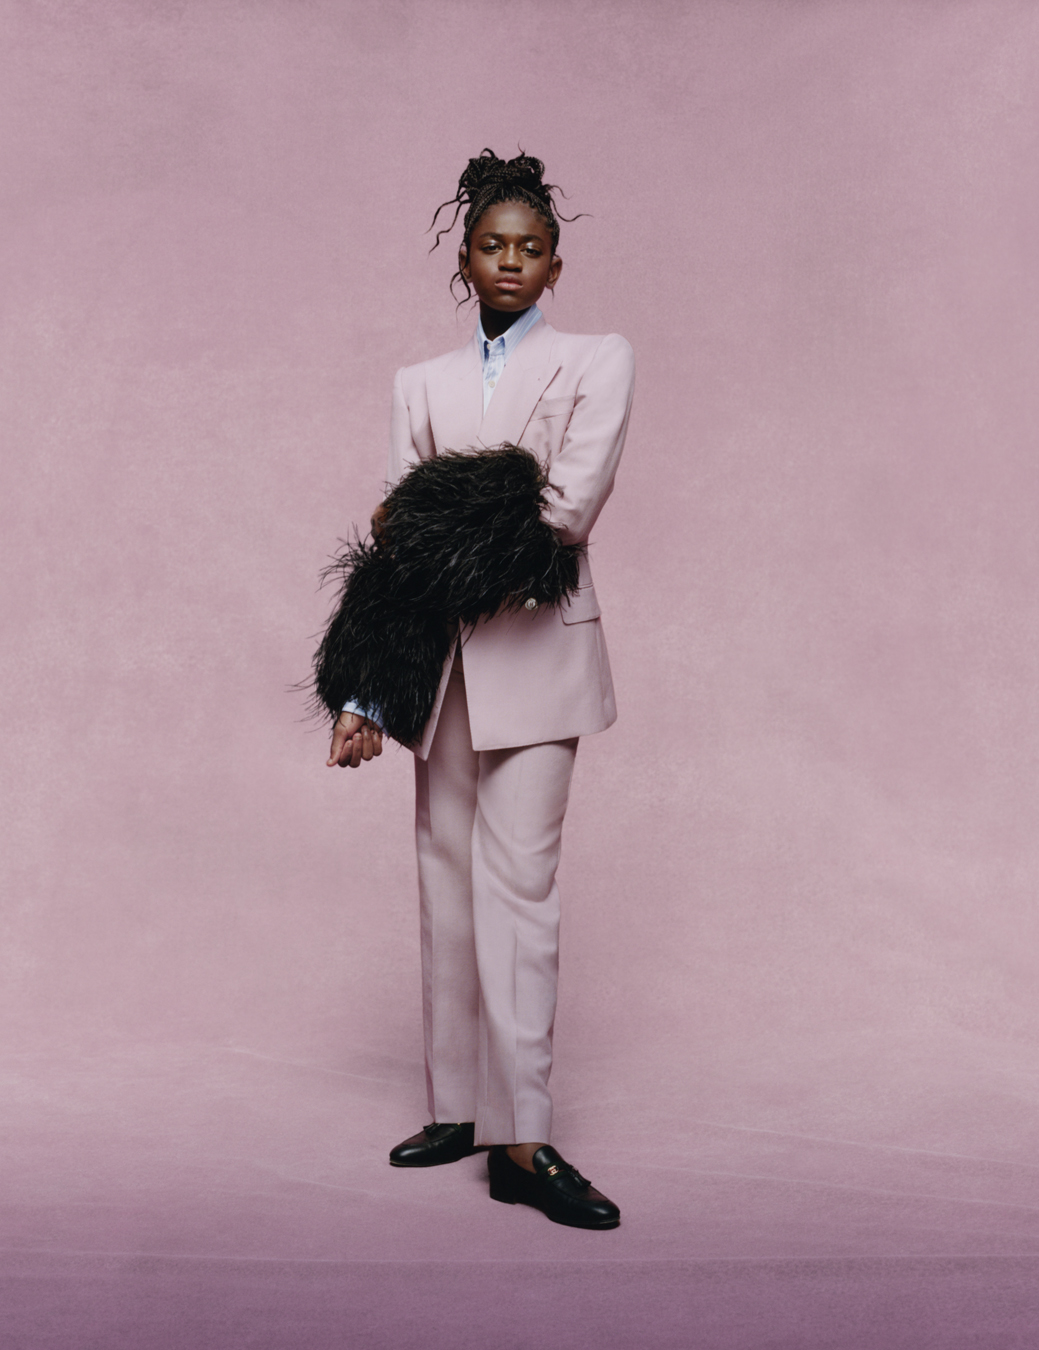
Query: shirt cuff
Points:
[370, 714]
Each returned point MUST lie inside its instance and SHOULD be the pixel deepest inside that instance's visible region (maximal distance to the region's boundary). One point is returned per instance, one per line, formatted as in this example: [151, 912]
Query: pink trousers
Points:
[488, 825]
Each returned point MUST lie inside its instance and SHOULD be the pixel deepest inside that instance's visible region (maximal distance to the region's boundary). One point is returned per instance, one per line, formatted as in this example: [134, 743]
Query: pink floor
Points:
[189, 1197]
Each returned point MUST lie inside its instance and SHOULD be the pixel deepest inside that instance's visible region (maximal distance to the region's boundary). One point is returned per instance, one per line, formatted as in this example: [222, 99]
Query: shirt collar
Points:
[512, 337]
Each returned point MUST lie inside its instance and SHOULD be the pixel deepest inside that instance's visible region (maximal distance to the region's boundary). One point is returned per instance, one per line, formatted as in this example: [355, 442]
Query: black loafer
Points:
[435, 1144]
[554, 1187]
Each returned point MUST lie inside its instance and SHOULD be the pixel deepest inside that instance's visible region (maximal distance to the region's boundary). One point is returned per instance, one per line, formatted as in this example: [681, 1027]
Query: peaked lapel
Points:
[527, 372]
[454, 397]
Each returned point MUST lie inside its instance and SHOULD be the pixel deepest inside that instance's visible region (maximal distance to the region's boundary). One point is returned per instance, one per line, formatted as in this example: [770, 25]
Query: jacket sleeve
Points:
[404, 453]
[411, 436]
[583, 471]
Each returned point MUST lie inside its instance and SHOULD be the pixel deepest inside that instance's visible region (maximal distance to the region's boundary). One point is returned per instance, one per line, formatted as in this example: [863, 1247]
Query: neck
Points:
[495, 322]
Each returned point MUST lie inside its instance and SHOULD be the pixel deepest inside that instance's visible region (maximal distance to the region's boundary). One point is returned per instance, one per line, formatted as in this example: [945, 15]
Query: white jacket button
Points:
[530, 604]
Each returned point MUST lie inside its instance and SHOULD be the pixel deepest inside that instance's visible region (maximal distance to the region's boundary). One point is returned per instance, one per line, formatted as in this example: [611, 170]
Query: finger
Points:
[346, 754]
[377, 742]
[367, 749]
[338, 737]
[356, 751]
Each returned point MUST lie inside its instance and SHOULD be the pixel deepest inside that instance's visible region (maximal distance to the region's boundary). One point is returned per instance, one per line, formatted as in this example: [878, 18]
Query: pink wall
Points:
[800, 873]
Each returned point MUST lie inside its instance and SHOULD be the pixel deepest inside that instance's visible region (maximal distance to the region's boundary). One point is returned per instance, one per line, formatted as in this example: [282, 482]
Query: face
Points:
[510, 260]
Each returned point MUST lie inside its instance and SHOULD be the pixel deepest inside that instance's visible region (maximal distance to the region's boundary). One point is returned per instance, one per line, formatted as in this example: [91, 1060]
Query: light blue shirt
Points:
[493, 356]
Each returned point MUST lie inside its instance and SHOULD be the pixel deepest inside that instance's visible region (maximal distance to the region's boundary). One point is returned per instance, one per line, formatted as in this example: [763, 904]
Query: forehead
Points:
[512, 218]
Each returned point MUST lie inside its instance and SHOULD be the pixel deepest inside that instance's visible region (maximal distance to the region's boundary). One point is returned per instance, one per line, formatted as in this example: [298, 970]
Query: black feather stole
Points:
[463, 539]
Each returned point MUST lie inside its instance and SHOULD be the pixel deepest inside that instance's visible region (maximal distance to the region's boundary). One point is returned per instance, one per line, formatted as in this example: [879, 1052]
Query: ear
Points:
[554, 269]
[463, 261]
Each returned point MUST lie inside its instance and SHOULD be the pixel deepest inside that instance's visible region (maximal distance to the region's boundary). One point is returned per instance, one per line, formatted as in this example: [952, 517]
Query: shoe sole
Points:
[504, 1197]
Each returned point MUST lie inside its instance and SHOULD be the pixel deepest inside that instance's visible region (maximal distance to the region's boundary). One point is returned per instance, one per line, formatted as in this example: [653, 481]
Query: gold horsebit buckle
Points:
[578, 1178]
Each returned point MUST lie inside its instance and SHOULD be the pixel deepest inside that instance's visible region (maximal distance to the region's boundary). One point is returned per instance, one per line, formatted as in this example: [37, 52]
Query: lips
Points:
[508, 284]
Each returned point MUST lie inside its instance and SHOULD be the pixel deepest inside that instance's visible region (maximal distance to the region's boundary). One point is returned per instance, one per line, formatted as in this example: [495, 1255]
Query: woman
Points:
[494, 764]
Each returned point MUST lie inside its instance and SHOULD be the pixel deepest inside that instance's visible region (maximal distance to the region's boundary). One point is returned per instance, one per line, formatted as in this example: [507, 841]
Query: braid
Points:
[487, 181]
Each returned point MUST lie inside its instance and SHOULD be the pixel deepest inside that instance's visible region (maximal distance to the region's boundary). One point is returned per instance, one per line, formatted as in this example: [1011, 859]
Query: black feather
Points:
[463, 540]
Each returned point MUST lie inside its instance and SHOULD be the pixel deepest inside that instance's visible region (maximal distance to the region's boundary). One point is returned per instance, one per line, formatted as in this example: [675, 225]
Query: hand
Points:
[353, 739]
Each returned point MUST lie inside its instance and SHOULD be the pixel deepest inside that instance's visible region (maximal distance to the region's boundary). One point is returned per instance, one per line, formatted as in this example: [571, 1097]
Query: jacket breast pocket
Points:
[552, 407]
[581, 607]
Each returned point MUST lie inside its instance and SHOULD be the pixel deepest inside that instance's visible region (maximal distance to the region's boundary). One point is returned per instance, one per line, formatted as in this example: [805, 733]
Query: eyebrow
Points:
[494, 234]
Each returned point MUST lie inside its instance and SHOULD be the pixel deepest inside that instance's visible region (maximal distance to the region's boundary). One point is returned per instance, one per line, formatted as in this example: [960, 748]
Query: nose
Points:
[510, 260]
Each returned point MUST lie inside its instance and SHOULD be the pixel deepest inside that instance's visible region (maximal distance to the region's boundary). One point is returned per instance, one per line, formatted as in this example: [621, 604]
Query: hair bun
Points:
[486, 170]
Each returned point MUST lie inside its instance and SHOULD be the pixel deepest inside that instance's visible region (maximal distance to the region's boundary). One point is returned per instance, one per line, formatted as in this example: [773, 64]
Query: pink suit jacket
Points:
[541, 676]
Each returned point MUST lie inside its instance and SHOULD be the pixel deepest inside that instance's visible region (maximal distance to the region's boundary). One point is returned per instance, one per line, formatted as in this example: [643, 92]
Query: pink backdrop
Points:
[797, 1035]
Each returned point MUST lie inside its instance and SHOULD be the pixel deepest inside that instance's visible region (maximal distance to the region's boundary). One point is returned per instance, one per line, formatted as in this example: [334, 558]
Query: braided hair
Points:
[488, 181]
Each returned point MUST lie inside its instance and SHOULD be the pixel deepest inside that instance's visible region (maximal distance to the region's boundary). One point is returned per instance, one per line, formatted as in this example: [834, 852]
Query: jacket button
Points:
[530, 604]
